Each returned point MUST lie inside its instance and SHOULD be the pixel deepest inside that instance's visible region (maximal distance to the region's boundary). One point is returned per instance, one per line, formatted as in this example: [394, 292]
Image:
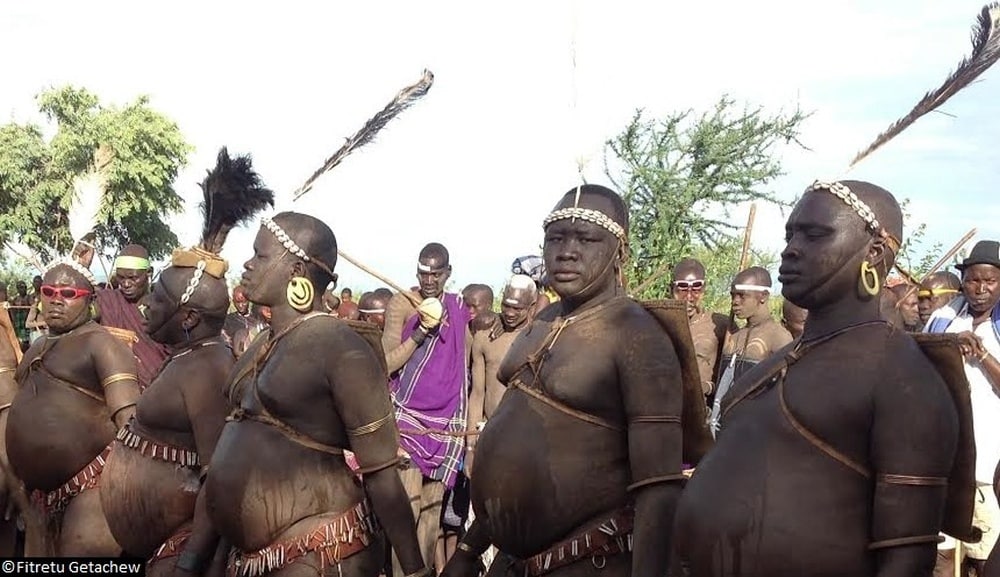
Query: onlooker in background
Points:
[347, 309]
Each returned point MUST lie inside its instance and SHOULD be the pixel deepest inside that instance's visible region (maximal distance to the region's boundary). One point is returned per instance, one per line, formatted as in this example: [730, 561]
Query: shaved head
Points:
[317, 240]
[436, 252]
[944, 279]
[689, 267]
[754, 275]
[135, 250]
[599, 198]
[887, 211]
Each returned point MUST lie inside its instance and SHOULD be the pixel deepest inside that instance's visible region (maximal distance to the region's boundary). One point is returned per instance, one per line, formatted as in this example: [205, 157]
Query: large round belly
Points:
[261, 482]
[54, 434]
[145, 500]
[770, 504]
[541, 473]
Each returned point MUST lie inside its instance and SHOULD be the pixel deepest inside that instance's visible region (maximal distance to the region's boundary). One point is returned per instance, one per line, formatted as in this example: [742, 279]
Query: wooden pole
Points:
[940, 263]
[745, 253]
[653, 278]
[414, 300]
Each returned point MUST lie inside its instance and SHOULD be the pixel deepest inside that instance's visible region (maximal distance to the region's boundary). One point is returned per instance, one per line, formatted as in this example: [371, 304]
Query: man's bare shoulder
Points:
[98, 336]
[479, 340]
[908, 361]
[635, 324]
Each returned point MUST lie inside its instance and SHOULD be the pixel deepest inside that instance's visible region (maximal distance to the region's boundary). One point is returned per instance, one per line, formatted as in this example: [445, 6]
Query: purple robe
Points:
[430, 392]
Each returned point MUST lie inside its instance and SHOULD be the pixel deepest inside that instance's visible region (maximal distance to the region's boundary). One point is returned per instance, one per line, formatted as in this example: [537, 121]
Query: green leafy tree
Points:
[36, 173]
[913, 256]
[721, 265]
[681, 176]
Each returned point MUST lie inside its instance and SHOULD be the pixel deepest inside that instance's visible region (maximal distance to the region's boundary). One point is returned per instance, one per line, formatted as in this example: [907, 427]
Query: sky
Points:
[523, 92]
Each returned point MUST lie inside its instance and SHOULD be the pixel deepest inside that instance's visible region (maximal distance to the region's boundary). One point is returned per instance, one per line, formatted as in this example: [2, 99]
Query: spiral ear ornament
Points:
[300, 293]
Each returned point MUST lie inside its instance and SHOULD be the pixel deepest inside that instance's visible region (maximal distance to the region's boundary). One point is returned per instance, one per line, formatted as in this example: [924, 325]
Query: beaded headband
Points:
[289, 244]
[79, 268]
[587, 214]
[841, 191]
[751, 287]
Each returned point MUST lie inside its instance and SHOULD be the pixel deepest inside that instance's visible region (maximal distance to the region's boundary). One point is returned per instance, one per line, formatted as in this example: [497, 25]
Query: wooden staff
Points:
[745, 253]
[414, 300]
[940, 263]
[744, 257]
[653, 278]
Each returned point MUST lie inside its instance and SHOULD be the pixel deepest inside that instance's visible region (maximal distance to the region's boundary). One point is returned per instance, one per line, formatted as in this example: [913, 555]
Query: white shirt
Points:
[985, 402]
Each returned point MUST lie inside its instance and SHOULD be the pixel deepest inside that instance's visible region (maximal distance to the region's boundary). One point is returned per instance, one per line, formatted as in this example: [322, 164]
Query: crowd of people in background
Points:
[556, 420]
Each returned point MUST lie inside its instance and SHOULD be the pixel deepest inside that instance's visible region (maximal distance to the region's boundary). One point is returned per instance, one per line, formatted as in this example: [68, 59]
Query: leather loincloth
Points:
[334, 541]
[55, 502]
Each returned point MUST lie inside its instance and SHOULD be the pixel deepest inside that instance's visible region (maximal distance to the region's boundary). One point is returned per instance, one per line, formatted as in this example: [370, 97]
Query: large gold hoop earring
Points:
[300, 293]
[867, 271]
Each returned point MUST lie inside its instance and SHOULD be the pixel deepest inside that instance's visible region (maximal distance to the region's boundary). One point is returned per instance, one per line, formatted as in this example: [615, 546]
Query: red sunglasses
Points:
[66, 292]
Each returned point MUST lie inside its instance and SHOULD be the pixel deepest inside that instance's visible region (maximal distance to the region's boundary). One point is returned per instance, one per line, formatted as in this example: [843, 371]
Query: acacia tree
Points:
[682, 175]
[36, 174]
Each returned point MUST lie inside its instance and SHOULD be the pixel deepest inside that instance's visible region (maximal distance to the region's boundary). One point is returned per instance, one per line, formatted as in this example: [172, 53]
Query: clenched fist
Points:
[430, 310]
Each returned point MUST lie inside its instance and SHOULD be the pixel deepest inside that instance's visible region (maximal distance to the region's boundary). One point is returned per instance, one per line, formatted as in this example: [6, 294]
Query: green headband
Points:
[132, 262]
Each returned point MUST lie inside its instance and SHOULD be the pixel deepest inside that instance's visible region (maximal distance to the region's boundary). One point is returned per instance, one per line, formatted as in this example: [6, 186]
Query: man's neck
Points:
[759, 318]
[839, 315]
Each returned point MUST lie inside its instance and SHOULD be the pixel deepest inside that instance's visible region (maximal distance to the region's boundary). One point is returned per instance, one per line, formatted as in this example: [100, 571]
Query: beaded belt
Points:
[173, 546]
[149, 448]
[609, 537]
[54, 502]
[334, 540]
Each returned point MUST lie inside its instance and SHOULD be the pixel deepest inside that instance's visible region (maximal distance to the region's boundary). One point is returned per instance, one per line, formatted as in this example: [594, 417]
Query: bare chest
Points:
[574, 364]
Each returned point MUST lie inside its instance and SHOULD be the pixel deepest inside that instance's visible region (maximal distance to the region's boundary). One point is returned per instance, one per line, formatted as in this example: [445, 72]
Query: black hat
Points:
[985, 252]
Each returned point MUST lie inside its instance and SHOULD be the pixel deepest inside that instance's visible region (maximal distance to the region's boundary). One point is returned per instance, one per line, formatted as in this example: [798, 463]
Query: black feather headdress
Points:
[234, 194]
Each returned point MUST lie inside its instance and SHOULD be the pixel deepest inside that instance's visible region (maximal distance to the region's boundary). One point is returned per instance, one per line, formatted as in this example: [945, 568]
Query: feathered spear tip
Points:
[406, 98]
[233, 193]
[88, 196]
[985, 52]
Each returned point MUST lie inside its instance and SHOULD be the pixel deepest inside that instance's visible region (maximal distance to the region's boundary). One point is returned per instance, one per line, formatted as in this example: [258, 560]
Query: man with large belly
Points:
[152, 495]
[835, 453]
[76, 387]
[279, 489]
[578, 468]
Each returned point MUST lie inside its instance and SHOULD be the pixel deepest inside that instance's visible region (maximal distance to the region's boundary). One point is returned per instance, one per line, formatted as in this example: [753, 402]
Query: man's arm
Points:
[116, 368]
[207, 409]
[913, 445]
[463, 562]
[477, 396]
[397, 351]
[8, 388]
[362, 401]
[652, 395]
[706, 346]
